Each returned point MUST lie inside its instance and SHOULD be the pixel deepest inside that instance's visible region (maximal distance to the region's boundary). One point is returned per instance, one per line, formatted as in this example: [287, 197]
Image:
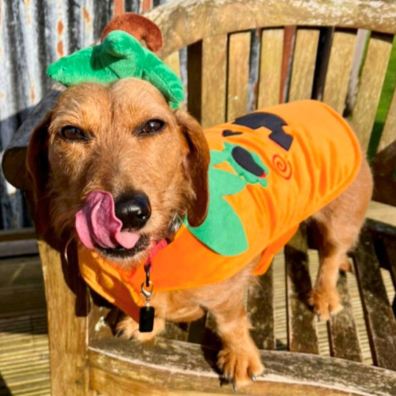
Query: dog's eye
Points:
[151, 127]
[71, 132]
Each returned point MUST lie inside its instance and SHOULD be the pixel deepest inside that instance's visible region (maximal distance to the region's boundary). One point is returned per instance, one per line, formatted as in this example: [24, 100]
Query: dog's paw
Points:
[240, 367]
[325, 303]
[128, 328]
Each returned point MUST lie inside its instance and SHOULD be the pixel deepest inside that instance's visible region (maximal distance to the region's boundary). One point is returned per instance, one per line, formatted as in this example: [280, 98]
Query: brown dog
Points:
[124, 139]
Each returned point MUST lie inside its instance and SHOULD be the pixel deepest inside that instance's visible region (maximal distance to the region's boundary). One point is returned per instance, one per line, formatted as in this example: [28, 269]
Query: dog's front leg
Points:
[239, 359]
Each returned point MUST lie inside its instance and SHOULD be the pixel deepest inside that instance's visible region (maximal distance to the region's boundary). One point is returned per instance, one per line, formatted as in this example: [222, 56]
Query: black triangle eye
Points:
[71, 132]
[151, 127]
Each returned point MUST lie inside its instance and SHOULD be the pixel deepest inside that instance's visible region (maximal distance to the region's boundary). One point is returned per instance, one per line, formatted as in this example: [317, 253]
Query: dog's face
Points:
[119, 165]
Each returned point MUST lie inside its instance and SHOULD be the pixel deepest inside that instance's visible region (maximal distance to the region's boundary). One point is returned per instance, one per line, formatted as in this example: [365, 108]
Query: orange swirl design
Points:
[282, 166]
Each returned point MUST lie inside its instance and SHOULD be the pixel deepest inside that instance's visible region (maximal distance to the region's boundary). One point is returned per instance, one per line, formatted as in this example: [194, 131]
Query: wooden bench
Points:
[243, 55]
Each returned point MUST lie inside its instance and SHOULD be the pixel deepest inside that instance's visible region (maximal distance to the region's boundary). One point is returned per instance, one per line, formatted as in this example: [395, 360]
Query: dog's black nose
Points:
[133, 210]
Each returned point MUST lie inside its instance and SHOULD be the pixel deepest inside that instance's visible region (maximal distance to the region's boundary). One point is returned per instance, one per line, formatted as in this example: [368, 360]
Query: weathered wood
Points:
[270, 67]
[24, 363]
[303, 68]
[371, 80]
[175, 331]
[384, 165]
[21, 247]
[301, 329]
[67, 330]
[339, 69]
[238, 74]
[261, 311]
[380, 229]
[386, 251]
[381, 322]
[186, 22]
[20, 271]
[21, 298]
[343, 338]
[173, 61]
[289, 39]
[214, 70]
[17, 234]
[182, 368]
[388, 134]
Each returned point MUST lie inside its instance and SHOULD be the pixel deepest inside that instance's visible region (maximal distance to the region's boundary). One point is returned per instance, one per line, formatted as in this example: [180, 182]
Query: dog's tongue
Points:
[97, 224]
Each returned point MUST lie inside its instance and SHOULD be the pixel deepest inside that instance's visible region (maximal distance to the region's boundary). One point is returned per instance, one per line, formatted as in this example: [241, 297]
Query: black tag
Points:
[146, 319]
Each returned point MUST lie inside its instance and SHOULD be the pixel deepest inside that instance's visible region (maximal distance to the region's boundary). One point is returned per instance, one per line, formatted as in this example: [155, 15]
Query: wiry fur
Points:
[171, 169]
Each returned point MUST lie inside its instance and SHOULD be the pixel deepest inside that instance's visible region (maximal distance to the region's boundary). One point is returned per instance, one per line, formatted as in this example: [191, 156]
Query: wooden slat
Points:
[301, 329]
[214, 70]
[24, 363]
[339, 69]
[238, 74]
[21, 248]
[343, 336]
[371, 80]
[20, 271]
[383, 167]
[261, 311]
[289, 40]
[189, 21]
[386, 251]
[389, 133]
[173, 61]
[21, 298]
[303, 64]
[270, 67]
[175, 331]
[67, 331]
[381, 322]
[180, 368]
[17, 234]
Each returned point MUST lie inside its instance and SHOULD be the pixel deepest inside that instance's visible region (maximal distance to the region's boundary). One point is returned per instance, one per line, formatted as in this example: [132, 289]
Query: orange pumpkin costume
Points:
[310, 156]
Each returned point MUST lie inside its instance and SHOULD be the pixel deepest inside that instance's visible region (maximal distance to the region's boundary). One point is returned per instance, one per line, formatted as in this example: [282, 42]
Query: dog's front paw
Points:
[325, 303]
[240, 366]
[128, 328]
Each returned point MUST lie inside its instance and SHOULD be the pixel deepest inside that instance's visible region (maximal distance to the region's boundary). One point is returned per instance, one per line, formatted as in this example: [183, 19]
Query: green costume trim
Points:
[220, 213]
[120, 55]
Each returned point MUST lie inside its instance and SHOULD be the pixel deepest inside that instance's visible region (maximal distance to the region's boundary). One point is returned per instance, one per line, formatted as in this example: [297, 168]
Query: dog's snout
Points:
[133, 210]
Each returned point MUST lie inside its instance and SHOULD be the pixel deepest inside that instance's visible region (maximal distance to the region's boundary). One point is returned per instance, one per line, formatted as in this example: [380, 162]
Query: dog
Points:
[124, 139]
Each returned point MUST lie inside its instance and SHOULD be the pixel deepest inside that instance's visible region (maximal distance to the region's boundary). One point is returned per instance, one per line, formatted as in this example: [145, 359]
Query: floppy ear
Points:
[197, 164]
[37, 167]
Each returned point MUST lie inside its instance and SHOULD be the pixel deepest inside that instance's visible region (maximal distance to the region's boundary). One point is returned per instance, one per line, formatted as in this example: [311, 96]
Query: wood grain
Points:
[238, 74]
[343, 338]
[389, 132]
[371, 80]
[261, 311]
[303, 64]
[301, 328]
[339, 69]
[185, 22]
[380, 320]
[67, 331]
[214, 70]
[383, 167]
[173, 61]
[180, 368]
[270, 67]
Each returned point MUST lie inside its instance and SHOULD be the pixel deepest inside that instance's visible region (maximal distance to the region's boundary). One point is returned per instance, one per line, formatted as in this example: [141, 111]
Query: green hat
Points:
[120, 55]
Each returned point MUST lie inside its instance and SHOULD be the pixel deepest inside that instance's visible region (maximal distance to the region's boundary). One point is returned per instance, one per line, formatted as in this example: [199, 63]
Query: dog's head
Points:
[116, 164]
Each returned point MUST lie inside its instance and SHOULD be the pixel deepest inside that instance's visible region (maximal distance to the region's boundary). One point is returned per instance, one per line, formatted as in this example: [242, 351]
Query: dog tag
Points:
[146, 319]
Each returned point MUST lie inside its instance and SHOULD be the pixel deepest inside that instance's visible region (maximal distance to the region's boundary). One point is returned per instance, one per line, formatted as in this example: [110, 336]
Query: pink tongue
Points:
[97, 224]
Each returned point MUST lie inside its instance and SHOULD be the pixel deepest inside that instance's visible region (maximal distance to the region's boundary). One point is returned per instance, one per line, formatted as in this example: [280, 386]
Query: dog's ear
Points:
[37, 167]
[197, 164]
